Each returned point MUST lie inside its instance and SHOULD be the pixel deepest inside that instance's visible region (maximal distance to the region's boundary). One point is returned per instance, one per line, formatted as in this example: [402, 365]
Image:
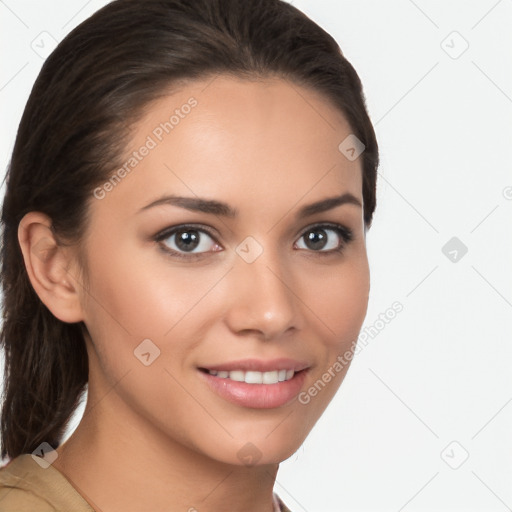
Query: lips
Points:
[255, 383]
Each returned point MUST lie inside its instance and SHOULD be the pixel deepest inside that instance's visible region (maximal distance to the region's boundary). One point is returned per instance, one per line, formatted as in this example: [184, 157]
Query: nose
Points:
[263, 298]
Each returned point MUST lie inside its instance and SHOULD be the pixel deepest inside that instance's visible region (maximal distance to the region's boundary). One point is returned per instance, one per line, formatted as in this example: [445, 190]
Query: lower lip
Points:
[256, 396]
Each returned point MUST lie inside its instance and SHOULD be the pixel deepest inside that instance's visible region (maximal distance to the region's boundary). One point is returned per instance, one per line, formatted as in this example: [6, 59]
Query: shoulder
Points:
[15, 499]
[25, 486]
[15, 492]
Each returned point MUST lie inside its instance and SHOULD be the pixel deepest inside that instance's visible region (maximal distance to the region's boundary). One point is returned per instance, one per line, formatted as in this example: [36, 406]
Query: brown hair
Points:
[73, 131]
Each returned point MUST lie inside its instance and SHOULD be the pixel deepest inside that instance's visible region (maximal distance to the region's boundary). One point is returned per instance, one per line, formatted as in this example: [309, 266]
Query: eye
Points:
[192, 241]
[187, 241]
[327, 238]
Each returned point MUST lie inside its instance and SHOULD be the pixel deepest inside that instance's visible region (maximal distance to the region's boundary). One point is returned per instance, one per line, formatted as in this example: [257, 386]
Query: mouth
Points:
[256, 384]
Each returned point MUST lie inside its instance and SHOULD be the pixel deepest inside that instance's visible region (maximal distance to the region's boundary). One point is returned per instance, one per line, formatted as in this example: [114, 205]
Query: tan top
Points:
[25, 486]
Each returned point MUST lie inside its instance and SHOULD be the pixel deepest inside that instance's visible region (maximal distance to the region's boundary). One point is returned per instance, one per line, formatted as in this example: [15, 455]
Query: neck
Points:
[130, 465]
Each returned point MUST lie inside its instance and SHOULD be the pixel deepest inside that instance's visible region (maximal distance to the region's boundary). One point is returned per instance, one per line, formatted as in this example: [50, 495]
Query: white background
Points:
[438, 375]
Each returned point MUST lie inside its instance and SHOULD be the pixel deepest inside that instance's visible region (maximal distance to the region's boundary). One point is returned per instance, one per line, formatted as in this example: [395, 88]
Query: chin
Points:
[267, 447]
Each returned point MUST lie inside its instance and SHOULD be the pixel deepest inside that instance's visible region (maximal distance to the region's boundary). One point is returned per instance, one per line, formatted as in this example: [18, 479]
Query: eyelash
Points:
[345, 234]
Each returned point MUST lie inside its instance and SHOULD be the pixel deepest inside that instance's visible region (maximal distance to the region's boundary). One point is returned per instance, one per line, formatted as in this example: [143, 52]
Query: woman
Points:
[184, 234]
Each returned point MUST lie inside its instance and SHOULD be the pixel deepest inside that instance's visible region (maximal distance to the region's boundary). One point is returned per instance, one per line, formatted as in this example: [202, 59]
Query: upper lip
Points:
[260, 365]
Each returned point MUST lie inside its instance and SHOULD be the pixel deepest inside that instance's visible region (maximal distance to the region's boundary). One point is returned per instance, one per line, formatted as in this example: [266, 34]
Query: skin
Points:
[156, 437]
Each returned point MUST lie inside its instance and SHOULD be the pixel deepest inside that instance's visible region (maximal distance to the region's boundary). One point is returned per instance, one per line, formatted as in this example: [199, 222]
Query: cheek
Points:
[135, 291]
[341, 301]
[137, 295]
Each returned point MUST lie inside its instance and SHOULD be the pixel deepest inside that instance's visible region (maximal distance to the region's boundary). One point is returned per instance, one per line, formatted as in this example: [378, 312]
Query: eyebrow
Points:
[213, 207]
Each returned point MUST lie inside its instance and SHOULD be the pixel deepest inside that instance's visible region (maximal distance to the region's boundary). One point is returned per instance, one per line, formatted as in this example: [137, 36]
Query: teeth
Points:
[270, 377]
[237, 375]
[252, 377]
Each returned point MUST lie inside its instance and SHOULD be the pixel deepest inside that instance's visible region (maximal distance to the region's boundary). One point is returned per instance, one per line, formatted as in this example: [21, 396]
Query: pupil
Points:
[187, 240]
[316, 239]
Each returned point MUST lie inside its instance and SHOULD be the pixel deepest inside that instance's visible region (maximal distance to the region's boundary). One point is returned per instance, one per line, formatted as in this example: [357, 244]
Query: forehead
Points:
[245, 142]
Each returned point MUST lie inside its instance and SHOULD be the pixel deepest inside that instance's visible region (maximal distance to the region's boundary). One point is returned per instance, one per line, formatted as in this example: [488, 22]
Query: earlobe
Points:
[47, 264]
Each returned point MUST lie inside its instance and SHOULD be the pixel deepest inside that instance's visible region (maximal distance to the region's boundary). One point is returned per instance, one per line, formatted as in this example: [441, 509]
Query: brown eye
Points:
[326, 238]
[187, 241]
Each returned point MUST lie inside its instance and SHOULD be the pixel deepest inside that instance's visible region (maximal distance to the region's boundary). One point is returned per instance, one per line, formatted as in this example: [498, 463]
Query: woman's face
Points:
[255, 284]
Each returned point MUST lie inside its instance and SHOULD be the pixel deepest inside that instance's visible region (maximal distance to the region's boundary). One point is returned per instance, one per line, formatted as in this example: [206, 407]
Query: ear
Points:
[50, 267]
